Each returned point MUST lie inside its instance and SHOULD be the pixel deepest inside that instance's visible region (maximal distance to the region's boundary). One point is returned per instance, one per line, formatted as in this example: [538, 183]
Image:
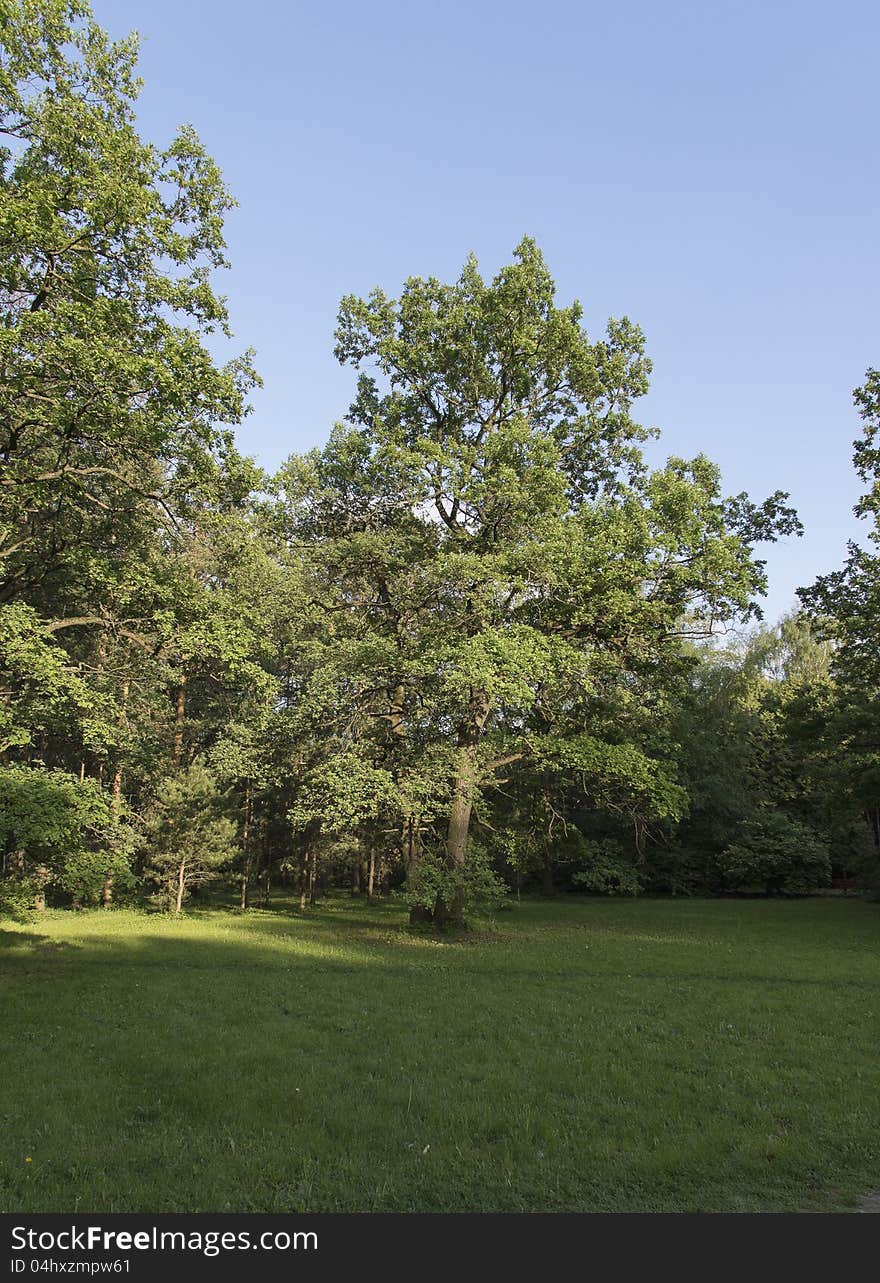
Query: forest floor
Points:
[576, 1055]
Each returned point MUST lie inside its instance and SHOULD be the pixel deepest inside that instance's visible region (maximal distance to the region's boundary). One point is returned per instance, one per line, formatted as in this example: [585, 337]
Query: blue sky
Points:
[708, 169]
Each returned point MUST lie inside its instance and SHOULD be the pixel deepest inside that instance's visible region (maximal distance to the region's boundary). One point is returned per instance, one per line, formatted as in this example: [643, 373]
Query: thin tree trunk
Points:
[181, 872]
[313, 876]
[115, 795]
[548, 887]
[303, 880]
[179, 717]
[640, 831]
[372, 873]
[246, 844]
[397, 697]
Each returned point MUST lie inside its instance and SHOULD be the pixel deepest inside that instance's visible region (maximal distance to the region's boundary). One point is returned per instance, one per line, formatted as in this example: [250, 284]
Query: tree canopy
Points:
[469, 646]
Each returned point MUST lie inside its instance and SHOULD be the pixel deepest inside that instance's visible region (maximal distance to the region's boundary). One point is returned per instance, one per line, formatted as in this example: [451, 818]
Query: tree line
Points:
[473, 645]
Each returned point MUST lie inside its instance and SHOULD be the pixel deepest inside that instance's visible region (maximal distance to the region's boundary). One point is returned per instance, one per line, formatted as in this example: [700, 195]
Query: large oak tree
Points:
[493, 544]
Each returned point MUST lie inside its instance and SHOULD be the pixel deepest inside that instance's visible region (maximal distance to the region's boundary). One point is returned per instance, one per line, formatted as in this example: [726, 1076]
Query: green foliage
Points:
[41, 690]
[776, 853]
[86, 872]
[475, 609]
[111, 405]
[19, 895]
[343, 791]
[845, 606]
[43, 811]
[498, 566]
[619, 777]
[607, 872]
[189, 840]
[469, 887]
[61, 831]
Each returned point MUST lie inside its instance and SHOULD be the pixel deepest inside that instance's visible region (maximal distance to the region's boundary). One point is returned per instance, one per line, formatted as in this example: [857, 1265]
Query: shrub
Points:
[776, 852]
[607, 872]
[475, 886]
[62, 830]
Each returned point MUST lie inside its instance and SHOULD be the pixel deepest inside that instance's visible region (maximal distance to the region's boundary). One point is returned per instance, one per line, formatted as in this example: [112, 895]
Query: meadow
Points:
[577, 1055]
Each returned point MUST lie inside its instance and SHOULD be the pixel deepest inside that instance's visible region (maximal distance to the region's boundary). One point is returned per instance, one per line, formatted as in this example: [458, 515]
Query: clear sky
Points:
[708, 169]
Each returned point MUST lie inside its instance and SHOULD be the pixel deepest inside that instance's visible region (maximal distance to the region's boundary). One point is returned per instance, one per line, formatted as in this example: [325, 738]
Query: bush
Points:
[474, 887]
[63, 831]
[608, 872]
[17, 898]
[775, 852]
[677, 870]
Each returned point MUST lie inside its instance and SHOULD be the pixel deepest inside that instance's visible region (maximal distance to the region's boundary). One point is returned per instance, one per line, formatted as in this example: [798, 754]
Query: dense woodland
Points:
[474, 646]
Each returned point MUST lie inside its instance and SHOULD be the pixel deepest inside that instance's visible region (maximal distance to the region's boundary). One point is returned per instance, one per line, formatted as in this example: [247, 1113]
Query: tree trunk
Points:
[181, 874]
[107, 888]
[371, 876]
[417, 914]
[460, 810]
[313, 876]
[246, 845]
[115, 794]
[42, 875]
[548, 887]
[874, 820]
[179, 717]
[452, 913]
[640, 830]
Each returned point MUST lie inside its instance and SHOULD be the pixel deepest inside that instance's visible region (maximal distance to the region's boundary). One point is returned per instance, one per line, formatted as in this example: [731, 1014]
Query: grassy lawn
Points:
[581, 1055]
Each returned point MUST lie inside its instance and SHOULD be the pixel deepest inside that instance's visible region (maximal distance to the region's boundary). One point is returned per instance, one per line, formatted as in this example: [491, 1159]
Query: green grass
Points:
[583, 1055]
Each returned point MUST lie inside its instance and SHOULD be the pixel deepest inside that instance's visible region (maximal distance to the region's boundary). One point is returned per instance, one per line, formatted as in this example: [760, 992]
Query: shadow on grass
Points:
[397, 956]
[30, 940]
